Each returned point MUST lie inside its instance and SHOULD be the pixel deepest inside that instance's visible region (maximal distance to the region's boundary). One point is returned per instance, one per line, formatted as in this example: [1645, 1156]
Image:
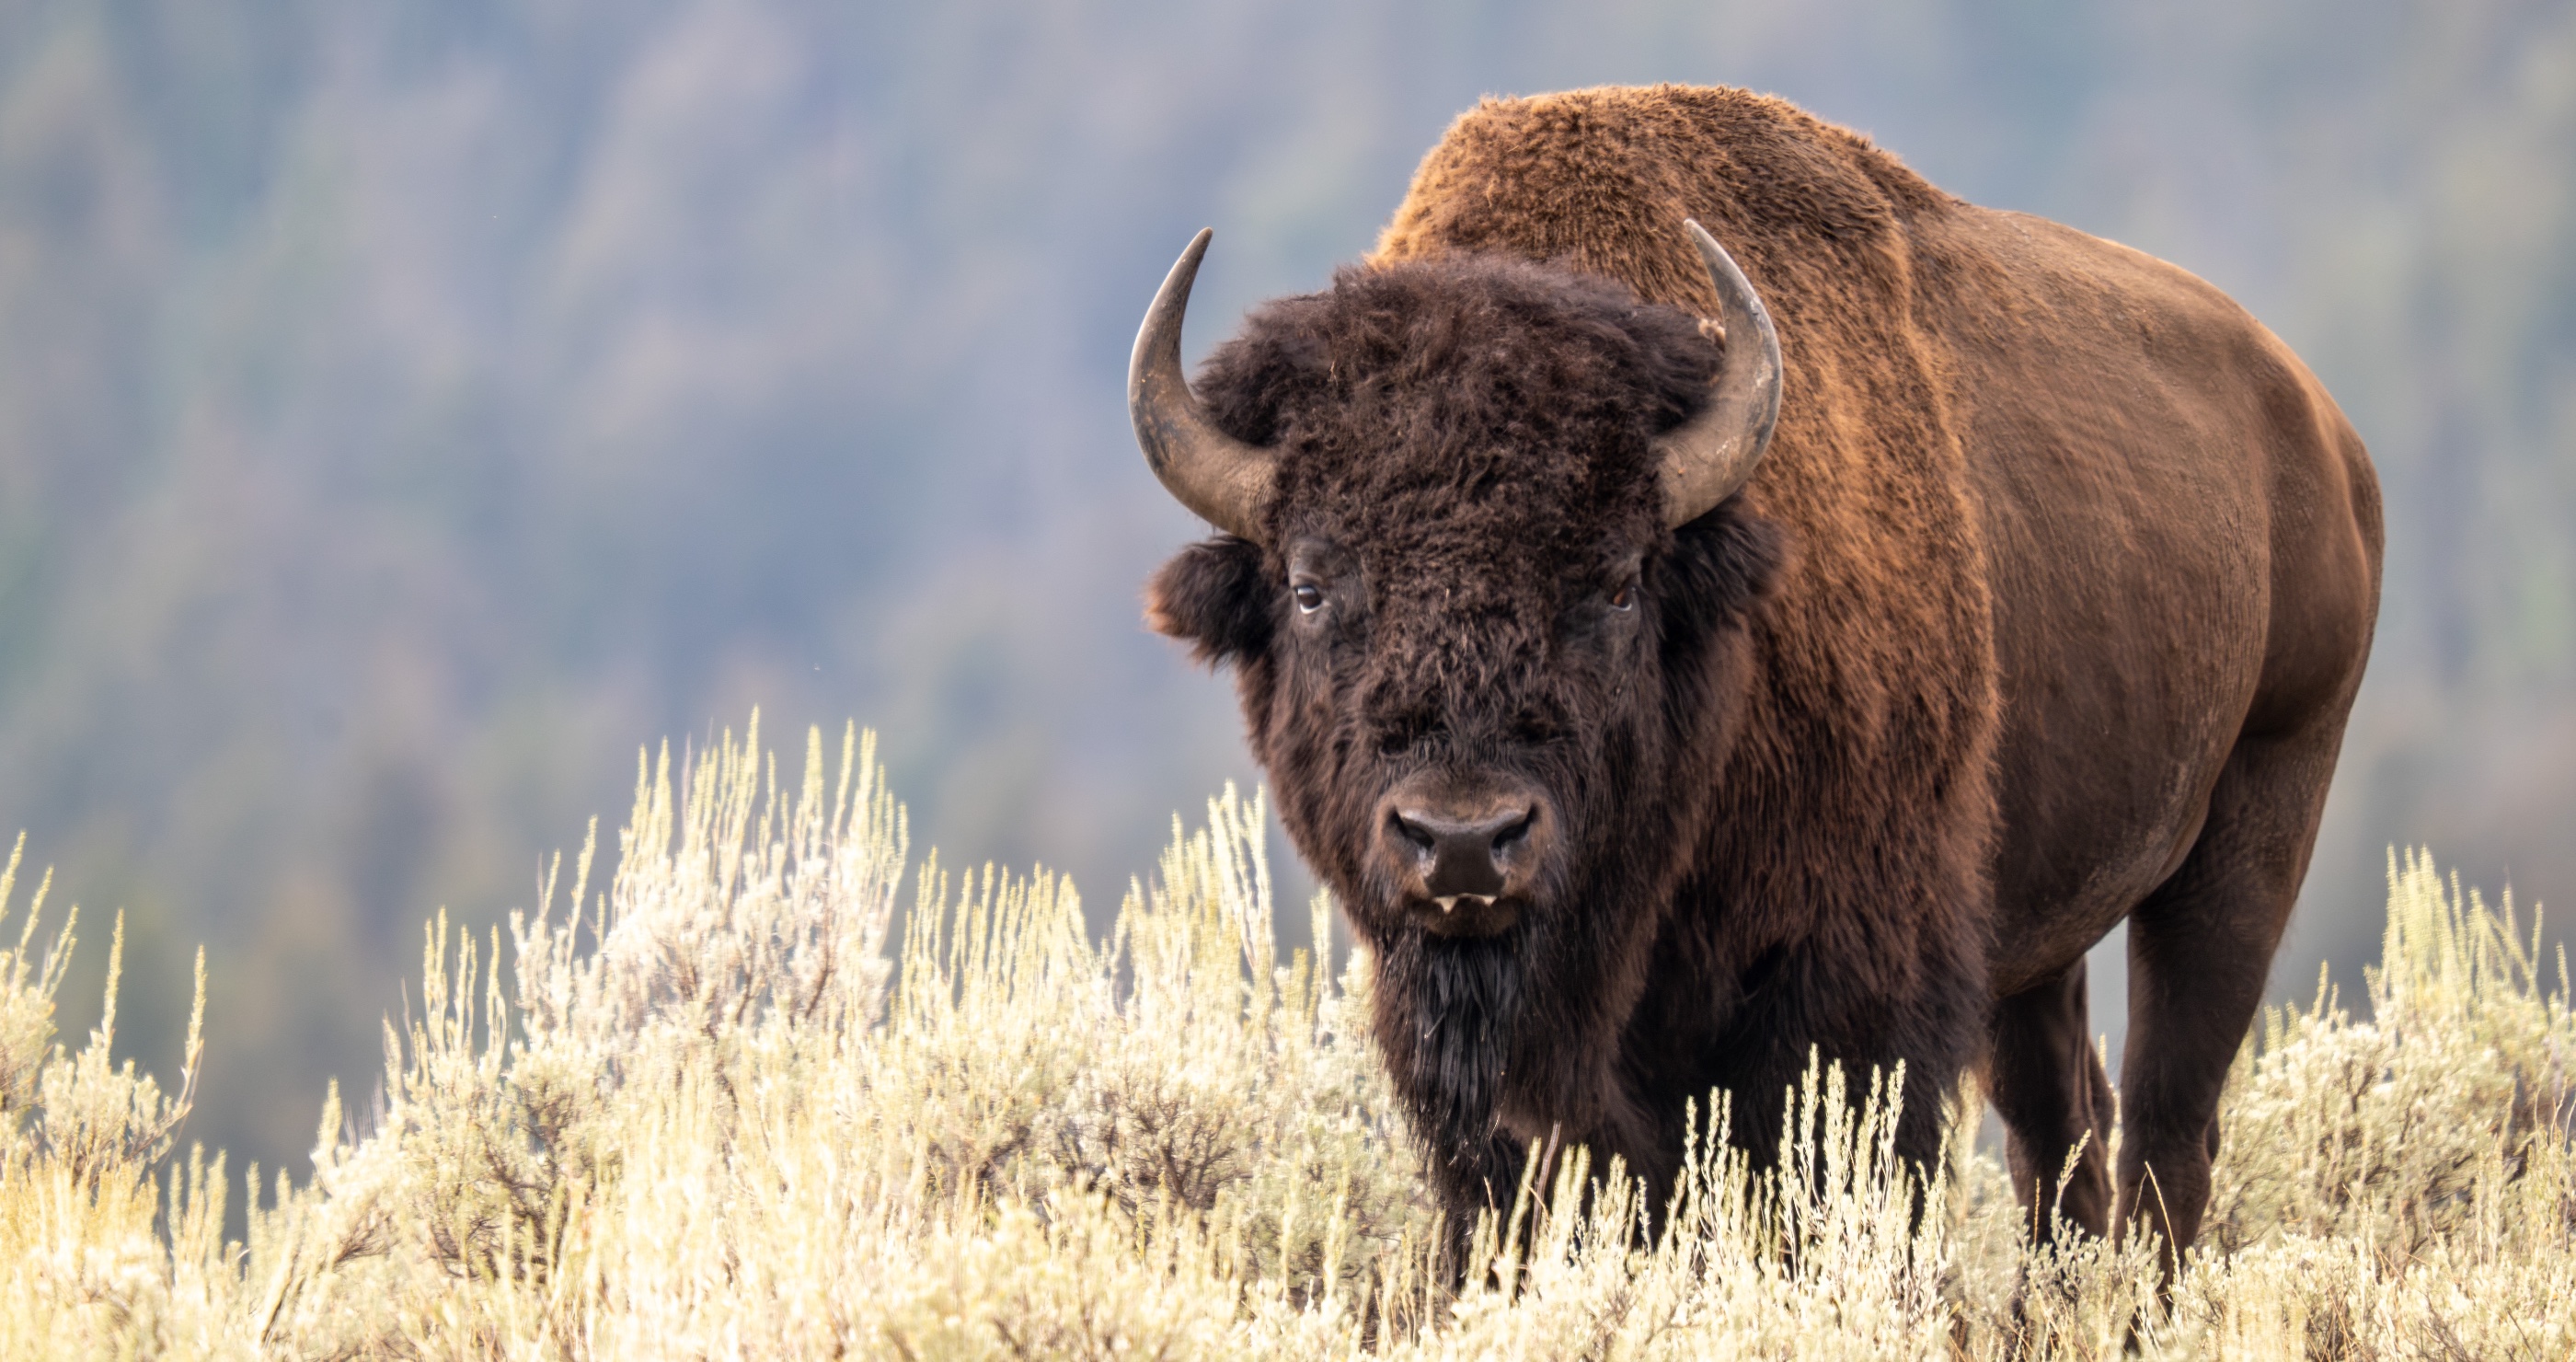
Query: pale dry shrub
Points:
[2404, 1186]
[715, 1110]
[82, 1268]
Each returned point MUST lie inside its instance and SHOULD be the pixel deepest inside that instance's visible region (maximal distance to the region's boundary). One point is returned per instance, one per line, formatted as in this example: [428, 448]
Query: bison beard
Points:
[2043, 611]
[1467, 1005]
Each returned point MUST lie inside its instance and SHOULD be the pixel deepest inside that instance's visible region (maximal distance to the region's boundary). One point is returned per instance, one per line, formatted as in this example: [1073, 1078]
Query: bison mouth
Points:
[1466, 915]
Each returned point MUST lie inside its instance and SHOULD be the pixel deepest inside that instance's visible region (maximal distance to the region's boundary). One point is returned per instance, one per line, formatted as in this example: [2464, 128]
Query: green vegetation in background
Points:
[402, 406]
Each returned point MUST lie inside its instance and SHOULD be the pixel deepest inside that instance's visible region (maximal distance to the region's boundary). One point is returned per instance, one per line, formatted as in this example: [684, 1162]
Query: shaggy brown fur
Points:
[2044, 610]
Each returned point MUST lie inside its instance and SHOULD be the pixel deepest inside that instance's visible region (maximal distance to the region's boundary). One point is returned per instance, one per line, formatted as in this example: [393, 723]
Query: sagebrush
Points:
[737, 1105]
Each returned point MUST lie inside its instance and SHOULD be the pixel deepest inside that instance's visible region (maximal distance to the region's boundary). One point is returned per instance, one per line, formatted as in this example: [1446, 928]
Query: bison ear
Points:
[1724, 563]
[1212, 595]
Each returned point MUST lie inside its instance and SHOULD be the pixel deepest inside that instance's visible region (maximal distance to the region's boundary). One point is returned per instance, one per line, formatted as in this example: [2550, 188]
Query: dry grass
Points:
[710, 1112]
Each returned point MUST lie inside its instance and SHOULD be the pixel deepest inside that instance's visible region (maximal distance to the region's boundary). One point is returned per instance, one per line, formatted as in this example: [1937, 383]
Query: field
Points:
[745, 1102]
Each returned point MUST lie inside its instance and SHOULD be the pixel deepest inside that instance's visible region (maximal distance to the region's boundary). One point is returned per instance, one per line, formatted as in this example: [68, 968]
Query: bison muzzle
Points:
[1679, 657]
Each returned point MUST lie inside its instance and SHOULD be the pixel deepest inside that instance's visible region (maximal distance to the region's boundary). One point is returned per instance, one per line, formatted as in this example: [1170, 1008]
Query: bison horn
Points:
[1220, 478]
[1716, 453]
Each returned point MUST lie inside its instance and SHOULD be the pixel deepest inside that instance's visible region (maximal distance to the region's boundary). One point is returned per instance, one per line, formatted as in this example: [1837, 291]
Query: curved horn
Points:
[1716, 453]
[1220, 478]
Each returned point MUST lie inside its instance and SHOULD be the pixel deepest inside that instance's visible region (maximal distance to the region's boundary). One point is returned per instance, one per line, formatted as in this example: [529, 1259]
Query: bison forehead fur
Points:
[2044, 610]
[1522, 399]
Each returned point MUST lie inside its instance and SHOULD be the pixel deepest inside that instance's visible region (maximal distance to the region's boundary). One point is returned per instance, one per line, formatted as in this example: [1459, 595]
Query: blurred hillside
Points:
[406, 410]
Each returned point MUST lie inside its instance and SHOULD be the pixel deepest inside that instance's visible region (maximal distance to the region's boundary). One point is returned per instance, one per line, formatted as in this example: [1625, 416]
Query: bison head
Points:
[1482, 579]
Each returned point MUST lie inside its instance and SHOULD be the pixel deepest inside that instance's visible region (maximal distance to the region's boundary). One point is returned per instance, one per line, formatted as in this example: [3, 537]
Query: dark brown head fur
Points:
[1468, 485]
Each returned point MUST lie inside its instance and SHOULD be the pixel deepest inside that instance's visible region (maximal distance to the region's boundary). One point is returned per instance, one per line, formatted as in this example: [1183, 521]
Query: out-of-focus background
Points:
[409, 410]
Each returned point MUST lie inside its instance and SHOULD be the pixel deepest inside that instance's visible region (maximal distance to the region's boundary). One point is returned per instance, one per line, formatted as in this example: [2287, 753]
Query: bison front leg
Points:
[2200, 954]
[2047, 1084]
[1479, 1179]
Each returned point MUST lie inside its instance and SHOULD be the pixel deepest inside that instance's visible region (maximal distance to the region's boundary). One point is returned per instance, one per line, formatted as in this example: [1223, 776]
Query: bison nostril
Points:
[1450, 856]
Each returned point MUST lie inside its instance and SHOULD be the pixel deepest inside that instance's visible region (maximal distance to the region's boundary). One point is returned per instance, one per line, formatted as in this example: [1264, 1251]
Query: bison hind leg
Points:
[2047, 1084]
[2200, 956]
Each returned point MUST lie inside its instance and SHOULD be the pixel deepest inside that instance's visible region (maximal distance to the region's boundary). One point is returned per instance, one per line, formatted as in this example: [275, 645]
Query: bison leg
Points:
[2047, 1084]
[2200, 954]
[1482, 1178]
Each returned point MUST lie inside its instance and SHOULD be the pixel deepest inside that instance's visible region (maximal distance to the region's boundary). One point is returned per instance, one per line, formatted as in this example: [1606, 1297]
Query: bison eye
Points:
[1310, 597]
[1625, 598]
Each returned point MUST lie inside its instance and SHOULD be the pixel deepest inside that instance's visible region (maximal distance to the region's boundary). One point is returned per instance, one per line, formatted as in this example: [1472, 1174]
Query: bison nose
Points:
[1461, 855]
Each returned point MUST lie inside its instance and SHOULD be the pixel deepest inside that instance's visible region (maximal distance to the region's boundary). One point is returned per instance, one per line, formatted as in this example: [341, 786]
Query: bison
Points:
[1680, 656]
